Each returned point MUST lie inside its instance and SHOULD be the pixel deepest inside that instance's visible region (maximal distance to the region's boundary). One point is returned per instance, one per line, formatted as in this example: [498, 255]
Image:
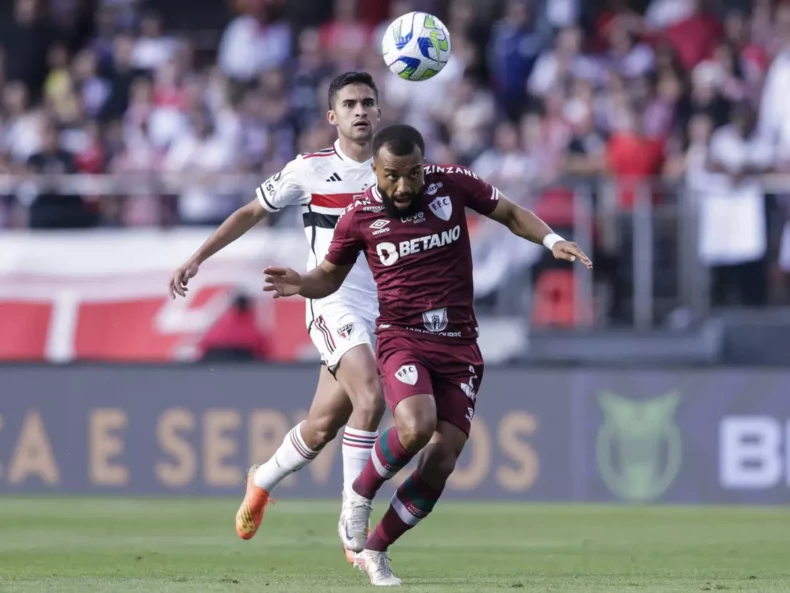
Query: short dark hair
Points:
[348, 78]
[400, 139]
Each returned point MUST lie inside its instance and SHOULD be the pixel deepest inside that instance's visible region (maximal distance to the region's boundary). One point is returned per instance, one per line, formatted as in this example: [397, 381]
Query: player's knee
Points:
[368, 399]
[415, 431]
[317, 432]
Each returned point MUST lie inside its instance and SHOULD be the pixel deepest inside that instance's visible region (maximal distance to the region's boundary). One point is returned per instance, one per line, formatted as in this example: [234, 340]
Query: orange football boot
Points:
[250, 513]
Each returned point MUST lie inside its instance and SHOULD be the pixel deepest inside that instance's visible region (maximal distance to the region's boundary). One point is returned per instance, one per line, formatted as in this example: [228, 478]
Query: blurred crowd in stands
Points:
[538, 91]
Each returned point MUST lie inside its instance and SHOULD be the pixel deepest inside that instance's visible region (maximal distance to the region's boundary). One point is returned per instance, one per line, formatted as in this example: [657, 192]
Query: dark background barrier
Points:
[655, 435]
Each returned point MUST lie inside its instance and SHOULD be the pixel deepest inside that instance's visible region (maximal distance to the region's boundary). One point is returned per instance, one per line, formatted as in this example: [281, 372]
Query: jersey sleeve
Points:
[347, 242]
[478, 194]
[286, 188]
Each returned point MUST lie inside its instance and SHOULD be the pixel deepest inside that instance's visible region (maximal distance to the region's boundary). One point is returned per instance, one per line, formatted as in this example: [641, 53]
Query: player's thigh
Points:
[358, 374]
[330, 409]
[408, 389]
[457, 377]
[336, 330]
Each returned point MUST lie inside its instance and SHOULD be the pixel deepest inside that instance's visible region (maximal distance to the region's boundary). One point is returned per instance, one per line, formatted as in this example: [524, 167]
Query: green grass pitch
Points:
[82, 545]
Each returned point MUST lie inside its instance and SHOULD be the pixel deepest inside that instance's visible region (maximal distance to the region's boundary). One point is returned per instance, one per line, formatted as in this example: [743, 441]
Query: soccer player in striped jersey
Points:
[341, 326]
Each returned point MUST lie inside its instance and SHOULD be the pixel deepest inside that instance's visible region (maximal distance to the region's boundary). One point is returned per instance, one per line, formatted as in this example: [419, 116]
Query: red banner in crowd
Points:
[103, 295]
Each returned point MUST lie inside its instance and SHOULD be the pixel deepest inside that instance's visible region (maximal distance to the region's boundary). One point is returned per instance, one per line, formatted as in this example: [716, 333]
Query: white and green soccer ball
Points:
[416, 46]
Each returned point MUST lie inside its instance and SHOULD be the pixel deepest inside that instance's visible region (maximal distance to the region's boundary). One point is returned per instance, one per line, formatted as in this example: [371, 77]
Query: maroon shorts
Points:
[452, 373]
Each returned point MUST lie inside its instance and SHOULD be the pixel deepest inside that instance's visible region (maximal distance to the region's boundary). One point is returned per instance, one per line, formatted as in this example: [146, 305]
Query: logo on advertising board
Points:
[639, 446]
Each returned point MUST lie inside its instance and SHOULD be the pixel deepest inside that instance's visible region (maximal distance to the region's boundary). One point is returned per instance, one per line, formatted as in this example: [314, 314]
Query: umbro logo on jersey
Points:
[334, 177]
[379, 226]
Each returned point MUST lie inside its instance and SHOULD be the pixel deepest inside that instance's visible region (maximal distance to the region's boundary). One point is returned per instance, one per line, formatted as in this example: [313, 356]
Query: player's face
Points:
[355, 113]
[400, 179]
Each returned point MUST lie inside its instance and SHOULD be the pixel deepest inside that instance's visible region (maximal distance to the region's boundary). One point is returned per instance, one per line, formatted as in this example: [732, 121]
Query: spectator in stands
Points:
[627, 55]
[705, 97]
[586, 149]
[752, 57]
[169, 104]
[196, 158]
[632, 158]
[514, 48]
[25, 43]
[505, 164]
[21, 126]
[555, 66]
[153, 47]
[102, 43]
[137, 160]
[658, 118]
[468, 114]
[51, 207]
[345, 37]
[120, 76]
[690, 161]
[775, 107]
[60, 98]
[254, 42]
[733, 225]
[535, 142]
[235, 336]
[92, 89]
[695, 36]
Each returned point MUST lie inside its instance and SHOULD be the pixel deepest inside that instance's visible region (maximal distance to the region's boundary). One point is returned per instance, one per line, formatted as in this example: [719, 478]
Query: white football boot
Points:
[354, 524]
[377, 565]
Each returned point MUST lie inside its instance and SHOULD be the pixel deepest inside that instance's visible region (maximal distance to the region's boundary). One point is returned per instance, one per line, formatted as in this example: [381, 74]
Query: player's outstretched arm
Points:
[525, 224]
[234, 227]
[320, 282]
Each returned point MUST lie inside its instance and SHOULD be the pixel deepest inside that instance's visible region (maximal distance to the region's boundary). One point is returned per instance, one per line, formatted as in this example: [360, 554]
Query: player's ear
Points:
[331, 118]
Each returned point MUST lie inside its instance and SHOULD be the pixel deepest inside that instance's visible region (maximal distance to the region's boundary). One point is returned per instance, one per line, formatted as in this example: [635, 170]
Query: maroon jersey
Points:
[422, 263]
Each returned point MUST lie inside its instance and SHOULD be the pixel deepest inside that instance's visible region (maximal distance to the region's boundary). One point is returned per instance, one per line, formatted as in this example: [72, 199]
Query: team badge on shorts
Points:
[407, 374]
[436, 320]
[345, 331]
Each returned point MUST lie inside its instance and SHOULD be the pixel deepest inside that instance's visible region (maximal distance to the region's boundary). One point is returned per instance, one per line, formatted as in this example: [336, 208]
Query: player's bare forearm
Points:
[520, 221]
[323, 280]
[235, 225]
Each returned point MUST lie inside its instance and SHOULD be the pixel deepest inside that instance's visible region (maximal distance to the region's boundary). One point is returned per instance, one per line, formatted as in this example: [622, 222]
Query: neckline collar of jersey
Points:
[343, 156]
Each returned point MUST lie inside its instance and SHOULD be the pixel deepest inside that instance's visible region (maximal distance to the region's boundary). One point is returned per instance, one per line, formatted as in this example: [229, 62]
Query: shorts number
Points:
[469, 388]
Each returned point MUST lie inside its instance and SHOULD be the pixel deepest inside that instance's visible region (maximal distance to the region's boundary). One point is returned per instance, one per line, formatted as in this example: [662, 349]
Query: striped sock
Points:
[386, 460]
[357, 445]
[291, 456]
[410, 504]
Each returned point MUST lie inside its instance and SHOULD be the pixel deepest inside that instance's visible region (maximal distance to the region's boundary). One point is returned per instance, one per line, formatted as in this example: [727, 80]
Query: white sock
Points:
[291, 456]
[357, 445]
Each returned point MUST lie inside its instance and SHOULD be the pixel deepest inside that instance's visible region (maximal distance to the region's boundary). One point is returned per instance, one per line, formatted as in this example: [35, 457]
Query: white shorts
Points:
[337, 327]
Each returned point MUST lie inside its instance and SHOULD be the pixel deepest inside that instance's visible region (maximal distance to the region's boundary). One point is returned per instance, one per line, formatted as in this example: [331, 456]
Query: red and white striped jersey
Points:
[324, 184]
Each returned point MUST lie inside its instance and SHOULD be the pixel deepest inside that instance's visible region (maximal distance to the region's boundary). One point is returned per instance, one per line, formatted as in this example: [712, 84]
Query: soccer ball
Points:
[416, 46]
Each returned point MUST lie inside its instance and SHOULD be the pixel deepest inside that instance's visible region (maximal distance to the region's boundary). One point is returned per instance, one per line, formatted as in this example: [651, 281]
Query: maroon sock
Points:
[387, 459]
[410, 504]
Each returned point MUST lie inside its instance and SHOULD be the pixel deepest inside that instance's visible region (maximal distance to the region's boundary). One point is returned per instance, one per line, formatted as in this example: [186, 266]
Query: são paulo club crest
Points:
[442, 207]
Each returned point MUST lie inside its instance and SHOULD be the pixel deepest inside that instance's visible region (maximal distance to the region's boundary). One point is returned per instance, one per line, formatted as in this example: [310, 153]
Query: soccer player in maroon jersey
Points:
[412, 229]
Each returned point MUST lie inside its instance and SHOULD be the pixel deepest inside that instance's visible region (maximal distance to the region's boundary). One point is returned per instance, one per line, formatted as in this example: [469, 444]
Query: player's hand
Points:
[180, 279]
[569, 251]
[283, 282]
